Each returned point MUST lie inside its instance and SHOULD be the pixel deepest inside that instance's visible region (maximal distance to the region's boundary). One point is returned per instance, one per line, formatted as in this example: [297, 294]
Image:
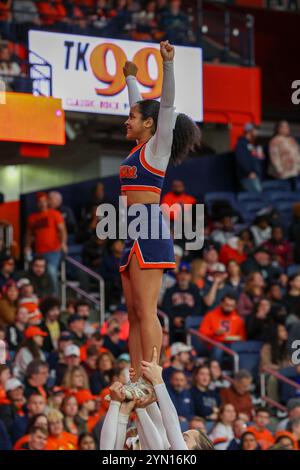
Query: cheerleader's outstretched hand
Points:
[152, 371]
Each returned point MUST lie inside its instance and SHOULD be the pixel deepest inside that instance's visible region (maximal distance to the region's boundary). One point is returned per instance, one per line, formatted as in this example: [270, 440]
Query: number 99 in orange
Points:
[116, 82]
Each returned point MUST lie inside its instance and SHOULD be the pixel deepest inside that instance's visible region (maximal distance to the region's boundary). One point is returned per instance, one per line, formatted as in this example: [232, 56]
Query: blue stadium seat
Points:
[228, 196]
[249, 196]
[193, 322]
[293, 269]
[285, 208]
[249, 354]
[276, 185]
[280, 196]
[249, 209]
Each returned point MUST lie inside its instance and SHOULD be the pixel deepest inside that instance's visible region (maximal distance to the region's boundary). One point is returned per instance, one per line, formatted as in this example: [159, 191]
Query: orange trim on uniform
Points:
[141, 187]
[143, 264]
[149, 167]
[135, 149]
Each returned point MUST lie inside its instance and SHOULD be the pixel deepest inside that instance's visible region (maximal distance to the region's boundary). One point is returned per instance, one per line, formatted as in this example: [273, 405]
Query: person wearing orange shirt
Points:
[223, 324]
[263, 436]
[176, 196]
[37, 439]
[121, 316]
[46, 232]
[58, 438]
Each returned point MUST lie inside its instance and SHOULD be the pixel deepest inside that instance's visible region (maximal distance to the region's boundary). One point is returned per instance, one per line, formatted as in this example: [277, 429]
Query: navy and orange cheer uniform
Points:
[144, 170]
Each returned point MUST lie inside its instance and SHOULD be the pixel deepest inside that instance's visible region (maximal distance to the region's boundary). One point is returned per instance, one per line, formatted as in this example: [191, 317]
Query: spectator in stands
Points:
[102, 376]
[284, 153]
[36, 377]
[35, 406]
[86, 441]
[293, 407]
[120, 315]
[252, 293]
[75, 380]
[261, 229]
[180, 301]
[238, 427]
[261, 420]
[30, 349]
[177, 195]
[7, 270]
[86, 408]
[207, 402]
[234, 279]
[15, 332]
[261, 261]
[180, 358]
[58, 438]
[5, 11]
[146, 21]
[103, 12]
[50, 308]
[217, 380]
[199, 269]
[233, 250]
[249, 442]
[37, 439]
[292, 299]
[47, 231]
[181, 396]
[76, 325]
[69, 409]
[216, 287]
[238, 393]
[109, 270]
[112, 341]
[39, 277]
[14, 404]
[69, 357]
[25, 11]
[9, 303]
[286, 440]
[9, 69]
[92, 252]
[279, 248]
[5, 375]
[175, 23]
[294, 428]
[90, 363]
[56, 202]
[5, 442]
[259, 322]
[223, 324]
[247, 237]
[247, 160]
[222, 433]
[224, 230]
[294, 231]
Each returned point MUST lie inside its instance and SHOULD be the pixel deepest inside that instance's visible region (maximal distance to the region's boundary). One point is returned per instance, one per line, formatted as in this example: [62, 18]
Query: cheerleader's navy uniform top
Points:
[144, 170]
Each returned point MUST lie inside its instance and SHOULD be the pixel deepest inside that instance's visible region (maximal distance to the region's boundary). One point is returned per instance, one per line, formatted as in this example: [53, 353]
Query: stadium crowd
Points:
[243, 286]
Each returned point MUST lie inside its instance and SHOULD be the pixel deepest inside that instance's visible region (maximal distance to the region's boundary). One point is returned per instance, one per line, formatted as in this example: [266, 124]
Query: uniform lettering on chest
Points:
[129, 172]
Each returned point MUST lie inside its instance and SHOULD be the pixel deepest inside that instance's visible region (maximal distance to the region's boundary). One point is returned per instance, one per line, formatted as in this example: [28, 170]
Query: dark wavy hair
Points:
[186, 134]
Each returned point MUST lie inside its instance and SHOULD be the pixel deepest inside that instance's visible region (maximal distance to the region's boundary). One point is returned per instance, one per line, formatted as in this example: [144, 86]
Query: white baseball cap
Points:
[177, 348]
[72, 350]
[13, 384]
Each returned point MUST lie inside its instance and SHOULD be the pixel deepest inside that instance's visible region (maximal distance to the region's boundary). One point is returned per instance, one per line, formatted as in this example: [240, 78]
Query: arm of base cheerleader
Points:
[110, 425]
[153, 438]
[143, 441]
[121, 431]
[170, 418]
[155, 415]
[133, 91]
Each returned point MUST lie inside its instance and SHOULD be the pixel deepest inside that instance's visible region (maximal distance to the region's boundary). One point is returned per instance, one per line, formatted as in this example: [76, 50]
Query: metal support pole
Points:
[63, 276]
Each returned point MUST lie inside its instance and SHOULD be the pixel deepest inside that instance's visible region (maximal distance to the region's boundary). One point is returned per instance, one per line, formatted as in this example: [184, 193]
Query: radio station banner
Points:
[86, 72]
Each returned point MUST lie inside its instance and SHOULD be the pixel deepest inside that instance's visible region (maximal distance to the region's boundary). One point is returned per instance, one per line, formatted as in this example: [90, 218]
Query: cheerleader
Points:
[161, 135]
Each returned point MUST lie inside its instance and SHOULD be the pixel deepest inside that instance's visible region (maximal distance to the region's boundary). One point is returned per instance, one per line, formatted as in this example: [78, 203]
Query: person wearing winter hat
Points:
[30, 349]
